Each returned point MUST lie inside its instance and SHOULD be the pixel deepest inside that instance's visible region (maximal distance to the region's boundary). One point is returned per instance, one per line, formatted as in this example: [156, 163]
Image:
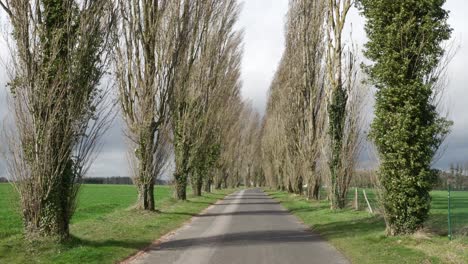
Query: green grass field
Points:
[104, 228]
[361, 237]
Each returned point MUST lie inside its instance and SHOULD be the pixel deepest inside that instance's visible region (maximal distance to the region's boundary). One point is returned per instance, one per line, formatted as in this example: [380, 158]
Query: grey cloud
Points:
[263, 24]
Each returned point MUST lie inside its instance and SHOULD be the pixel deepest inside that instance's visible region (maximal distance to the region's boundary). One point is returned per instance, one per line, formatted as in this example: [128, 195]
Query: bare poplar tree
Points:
[230, 129]
[353, 134]
[310, 34]
[314, 110]
[198, 23]
[227, 132]
[151, 49]
[337, 99]
[292, 134]
[210, 89]
[59, 58]
[274, 141]
[214, 56]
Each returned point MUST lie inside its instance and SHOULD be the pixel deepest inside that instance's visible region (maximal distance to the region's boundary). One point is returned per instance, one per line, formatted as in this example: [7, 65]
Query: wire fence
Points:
[363, 199]
[457, 216]
[448, 215]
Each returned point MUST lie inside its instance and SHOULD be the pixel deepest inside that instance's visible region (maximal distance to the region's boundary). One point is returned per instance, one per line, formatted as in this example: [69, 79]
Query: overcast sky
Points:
[263, 25]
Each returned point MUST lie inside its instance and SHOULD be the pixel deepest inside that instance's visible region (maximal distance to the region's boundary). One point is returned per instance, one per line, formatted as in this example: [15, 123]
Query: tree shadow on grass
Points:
[199, 202]
[342, 229]
[76, 242]
[304, 209]
[216, 195]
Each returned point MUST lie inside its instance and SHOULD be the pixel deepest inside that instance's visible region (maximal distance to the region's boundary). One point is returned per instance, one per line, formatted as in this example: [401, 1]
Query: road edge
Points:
[141, 253]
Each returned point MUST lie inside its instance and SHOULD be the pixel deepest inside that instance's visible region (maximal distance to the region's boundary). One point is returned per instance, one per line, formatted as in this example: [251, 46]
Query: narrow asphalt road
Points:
[247, 227]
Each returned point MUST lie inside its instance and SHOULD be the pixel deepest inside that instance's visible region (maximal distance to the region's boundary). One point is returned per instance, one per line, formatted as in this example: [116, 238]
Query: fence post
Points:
[356, 202]
[367, 201]
[449, 216]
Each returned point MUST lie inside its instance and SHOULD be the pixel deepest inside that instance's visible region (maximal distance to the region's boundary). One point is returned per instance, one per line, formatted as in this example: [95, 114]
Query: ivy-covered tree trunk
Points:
[197, 191]
[180, 185]
[181, 151]
[208, 184]
[145, 179]
[197, 183]
[405, 46]
[337, 115]
[53, 219]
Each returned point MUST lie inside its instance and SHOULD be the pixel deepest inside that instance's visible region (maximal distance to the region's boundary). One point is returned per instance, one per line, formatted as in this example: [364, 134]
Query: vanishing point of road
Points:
[247, 227]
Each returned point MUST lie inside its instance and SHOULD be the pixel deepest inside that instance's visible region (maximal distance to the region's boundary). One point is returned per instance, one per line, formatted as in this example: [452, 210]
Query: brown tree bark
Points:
[146, 196]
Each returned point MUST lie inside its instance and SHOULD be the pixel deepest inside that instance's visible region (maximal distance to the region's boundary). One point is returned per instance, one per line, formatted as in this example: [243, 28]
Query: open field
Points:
[104, 229]
[360, 236]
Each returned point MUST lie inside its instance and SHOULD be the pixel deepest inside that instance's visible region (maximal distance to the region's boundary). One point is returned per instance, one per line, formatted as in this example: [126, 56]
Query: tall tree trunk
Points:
[316, 190]
[181, 150]
[337, 114]
[146, 196]
[208, 184]
[299, 187]
[181, 186]
[145, 155]
[197, 185]
[290, 187]
[339, 98]
[225, 183]
[53, 219]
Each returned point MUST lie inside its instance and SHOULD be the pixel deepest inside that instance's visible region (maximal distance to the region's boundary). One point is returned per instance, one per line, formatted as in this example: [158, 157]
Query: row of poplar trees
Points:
[313, 130]
[313, 122]
[175, 66]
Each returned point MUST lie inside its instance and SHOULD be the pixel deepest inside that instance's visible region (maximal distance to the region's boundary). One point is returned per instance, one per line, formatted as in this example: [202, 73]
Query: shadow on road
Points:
[259, 203]
[248, 198]
[258, 212]
[241, 238]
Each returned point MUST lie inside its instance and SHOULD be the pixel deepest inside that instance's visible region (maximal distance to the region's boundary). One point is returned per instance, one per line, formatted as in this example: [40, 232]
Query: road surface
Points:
[245, 227]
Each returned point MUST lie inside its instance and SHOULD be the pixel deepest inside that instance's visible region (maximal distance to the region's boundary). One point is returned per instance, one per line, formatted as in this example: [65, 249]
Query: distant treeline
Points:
[363, 179]
[115, 180]
[457, 177]
[105, 180]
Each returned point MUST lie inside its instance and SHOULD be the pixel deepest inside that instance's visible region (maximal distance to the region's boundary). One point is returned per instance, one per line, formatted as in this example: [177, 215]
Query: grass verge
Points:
[361, 238]
[104, 228]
